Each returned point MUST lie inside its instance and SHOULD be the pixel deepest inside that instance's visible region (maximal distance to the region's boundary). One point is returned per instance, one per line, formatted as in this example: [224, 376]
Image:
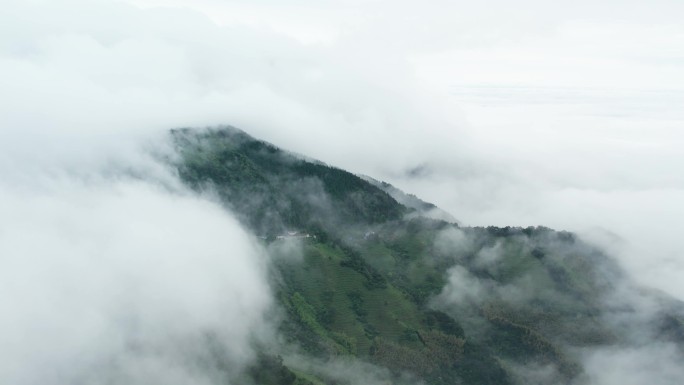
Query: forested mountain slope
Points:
[375, 287]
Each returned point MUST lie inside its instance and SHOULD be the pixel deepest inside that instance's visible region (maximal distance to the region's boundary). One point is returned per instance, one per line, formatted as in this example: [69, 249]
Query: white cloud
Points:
[361, 103]
[111, 271]
[123, 281]
[579, 129]
[656, 363]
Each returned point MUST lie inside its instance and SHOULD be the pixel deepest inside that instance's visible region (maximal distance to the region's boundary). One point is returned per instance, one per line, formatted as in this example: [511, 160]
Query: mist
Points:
[112, 271]
[124, 281]
[628, 337]
[500, 114]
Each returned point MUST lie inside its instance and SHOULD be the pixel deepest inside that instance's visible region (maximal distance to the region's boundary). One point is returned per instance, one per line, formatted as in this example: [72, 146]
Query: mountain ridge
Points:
[379, 282]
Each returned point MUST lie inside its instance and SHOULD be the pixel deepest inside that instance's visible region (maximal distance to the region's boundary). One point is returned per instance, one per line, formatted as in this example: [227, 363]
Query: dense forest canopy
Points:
[363, 279]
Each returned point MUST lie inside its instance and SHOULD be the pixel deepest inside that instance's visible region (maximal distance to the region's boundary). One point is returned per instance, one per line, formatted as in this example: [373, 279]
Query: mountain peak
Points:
[377, 279]
[272, 189]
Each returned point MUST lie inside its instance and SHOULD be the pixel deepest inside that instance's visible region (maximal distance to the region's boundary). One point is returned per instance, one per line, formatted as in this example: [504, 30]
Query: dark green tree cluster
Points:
[274, 191]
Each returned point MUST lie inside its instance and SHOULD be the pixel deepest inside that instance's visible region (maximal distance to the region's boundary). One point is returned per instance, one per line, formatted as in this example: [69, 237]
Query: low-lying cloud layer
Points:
[111, 271]
[120, 280]
[632, 335]
[100, 265]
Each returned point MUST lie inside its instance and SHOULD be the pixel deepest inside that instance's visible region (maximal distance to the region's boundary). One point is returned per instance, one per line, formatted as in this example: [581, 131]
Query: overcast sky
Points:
[506, 113]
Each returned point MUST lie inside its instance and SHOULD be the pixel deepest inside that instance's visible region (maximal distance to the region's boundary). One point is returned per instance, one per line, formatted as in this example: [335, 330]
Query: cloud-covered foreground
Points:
[122, 281]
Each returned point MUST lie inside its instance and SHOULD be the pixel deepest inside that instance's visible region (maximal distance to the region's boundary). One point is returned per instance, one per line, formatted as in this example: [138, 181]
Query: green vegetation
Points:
[273, 190]
[378, 286]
